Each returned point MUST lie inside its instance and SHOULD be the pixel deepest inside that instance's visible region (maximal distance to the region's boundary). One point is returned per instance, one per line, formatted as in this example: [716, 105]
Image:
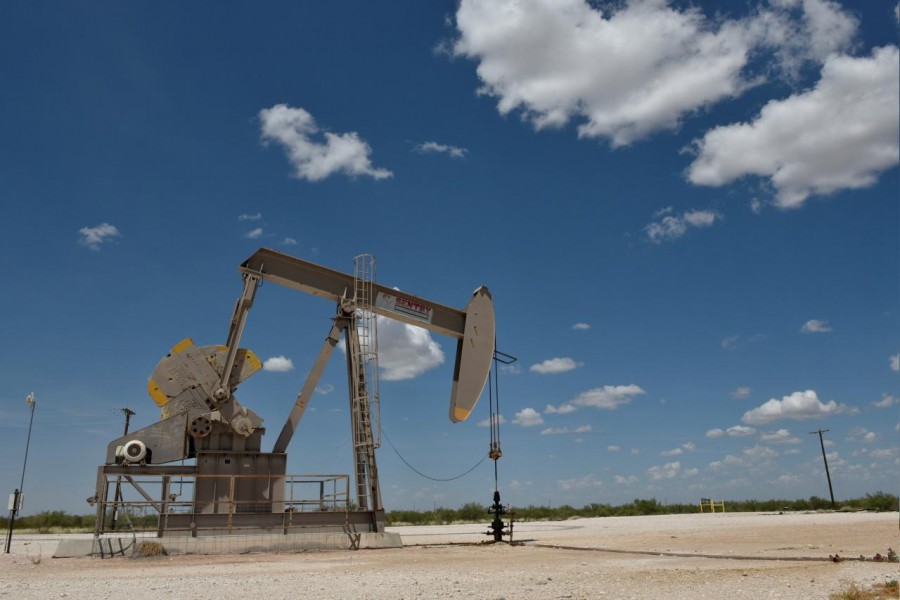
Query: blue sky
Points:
[688, 218]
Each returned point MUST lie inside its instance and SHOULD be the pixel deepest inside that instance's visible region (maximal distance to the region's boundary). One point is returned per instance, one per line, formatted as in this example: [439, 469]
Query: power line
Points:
[406, 462]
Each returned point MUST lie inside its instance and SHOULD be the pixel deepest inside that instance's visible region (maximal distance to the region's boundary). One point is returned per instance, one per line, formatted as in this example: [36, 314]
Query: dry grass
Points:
[145, 549]
[880, 591]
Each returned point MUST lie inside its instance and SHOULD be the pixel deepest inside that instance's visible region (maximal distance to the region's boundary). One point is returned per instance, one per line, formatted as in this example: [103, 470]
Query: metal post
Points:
[825, 458]
[14, 509]
[117, 497]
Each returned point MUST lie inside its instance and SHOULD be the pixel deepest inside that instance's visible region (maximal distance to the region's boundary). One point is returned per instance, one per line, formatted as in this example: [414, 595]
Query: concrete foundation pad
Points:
[73, 548]
[225, 544]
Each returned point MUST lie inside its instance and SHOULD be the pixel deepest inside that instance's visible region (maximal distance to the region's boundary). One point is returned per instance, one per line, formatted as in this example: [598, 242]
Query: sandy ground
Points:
[749, 556]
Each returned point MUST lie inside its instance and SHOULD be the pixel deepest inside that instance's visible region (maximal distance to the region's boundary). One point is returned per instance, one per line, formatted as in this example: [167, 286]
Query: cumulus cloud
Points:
[797, 406]
[671, 227]
[686, 447]
[740, 431]
[839, 135]
[581, 326]
[886, 401]
[555, 365]
[861, 435]
[528, 417]
[511, 369]
[626, 70]
[405, 351]
[436, 148]
[566, 430]
[324, 389]
[670, 471]
[288, 241]
[495, 418]
[278, 364]
[895, 362]
[741, 393]
[94, 237]
[622, 480]
[730, 342]
[608, 397]
[715, 433]
[296, 130]
[254, 233]
[624, 73]
[250, 217]
[816, 326]
[582, 483]
[613, 448]
[782, 436]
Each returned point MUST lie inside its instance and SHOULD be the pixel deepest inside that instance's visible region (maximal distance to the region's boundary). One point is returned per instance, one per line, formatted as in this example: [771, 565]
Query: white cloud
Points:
[861, 435]
[686, 447]
[625, 70]
[840, 135]
[324, 389]
[289, 241]
[613, 448]
[511, 369]
[581, 326]
[670, 227]
[487, 422]
[94, 237]
[555, 365]
[343, 153]
[741, 393]
[405, 351]
[740, 431]
[278, 364]
[886, 401]
[254, 233]
[782, 436]
[730, 342]
[715, 433]
[759, 454]
[566, 430]
[434, 147]
[608, 397]
[895, 362]
[797, 406]
[250, 217]
[884, 453]
[586, 482]
[528, 417]
[621, 480]
[670, 471]
[815, 326]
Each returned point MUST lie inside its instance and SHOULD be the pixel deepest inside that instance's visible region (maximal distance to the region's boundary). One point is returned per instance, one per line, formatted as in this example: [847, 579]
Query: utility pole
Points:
[15, 500]
[117, 497]
[825, 458]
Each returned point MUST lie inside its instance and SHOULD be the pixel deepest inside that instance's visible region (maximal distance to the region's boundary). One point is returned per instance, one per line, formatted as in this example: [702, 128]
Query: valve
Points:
[497, 526]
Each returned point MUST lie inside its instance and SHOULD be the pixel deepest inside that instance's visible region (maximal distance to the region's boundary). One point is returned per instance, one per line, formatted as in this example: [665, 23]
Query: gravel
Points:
[782, 556]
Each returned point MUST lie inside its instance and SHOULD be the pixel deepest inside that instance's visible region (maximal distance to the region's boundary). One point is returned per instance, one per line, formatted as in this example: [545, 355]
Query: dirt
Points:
[743, 556]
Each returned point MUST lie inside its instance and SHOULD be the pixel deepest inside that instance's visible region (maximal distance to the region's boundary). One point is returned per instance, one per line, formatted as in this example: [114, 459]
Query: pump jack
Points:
[201, 418]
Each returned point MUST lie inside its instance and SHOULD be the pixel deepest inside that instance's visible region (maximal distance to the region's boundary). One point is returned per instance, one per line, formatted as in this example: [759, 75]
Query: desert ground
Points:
[732, 555]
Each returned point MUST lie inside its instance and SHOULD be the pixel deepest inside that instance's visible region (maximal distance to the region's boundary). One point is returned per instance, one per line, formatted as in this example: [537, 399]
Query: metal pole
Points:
[825, 458]
[117, 497]
[14, 509]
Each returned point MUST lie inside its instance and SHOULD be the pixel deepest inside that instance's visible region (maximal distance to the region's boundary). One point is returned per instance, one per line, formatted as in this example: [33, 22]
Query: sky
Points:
[686, 212]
